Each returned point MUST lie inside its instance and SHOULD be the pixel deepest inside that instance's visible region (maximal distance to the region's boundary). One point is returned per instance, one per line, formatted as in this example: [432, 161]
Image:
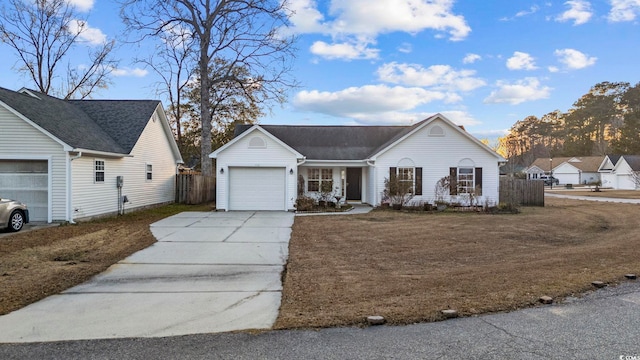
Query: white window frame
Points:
[466, 180]
[97, 169]
[407, 174]
[148, 172]
[319, 175]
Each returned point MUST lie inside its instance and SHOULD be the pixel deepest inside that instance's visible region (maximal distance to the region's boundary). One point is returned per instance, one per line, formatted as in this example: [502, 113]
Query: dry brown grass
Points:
[409, 266]
[43, 262]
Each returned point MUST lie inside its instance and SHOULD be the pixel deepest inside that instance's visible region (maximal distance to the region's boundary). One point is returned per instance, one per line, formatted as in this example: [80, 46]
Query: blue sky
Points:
[483, 64]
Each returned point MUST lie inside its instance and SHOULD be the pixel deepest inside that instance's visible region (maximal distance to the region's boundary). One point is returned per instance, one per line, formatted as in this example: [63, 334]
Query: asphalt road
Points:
[604, 324]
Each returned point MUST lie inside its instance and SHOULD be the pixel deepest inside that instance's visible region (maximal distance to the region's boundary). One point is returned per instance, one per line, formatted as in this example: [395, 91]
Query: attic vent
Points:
[257, 142]
[436, 131]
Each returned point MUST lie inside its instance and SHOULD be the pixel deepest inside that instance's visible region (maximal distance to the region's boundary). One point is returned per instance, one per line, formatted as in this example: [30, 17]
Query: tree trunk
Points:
[205, 113]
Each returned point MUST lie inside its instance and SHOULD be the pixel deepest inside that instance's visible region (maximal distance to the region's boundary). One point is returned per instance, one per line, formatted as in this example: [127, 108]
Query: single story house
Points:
[73, 159]
[266, 167]
[617, 171]
[568, 170]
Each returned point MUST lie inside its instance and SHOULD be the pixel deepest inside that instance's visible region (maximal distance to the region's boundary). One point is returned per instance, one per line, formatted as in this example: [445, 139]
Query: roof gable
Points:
[250, 129]
[109, 126]
[343, 143]
[632, 160]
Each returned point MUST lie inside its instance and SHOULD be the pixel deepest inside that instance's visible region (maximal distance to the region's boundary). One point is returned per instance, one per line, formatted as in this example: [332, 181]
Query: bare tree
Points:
[42, 32]
[243, 33]
[172, 61]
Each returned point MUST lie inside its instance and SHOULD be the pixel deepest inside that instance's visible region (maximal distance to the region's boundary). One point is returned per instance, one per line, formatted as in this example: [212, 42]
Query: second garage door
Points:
[27, 181]
[257, 188]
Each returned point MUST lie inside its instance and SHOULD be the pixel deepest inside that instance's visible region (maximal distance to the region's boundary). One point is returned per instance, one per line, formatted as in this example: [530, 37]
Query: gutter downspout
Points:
[372, 168]
[70, 188]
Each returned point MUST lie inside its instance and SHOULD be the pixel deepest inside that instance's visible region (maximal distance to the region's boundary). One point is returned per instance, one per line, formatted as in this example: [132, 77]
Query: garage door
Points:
[256, 188]
[27, 181]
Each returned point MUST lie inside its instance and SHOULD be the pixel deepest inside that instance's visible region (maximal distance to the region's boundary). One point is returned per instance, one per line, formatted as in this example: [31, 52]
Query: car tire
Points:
[16, 221]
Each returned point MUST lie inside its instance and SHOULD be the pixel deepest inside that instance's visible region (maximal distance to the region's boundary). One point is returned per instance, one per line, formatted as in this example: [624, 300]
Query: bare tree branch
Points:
[242, 33]
[41, 33]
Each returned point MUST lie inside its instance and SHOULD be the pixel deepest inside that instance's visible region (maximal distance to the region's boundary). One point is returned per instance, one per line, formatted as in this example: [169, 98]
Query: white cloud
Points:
[345, 51]
[135, 72]
[574, 59]
[521, 61]
[441, 77]
[471, 58]
[349, 22]
[528, 89]
[553, 69]
[460, 117]
[624, 10]
[405, 48]
[357, 102]
[81, 5]
[579, 12]
[531, 10]
[86, 33]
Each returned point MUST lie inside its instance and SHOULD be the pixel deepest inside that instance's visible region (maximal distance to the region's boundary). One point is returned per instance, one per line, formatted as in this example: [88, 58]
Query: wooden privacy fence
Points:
[522, 192]
[195, 189]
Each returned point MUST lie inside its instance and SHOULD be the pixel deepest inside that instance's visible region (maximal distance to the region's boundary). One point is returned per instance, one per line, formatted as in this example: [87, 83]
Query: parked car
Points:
[13, 214]
[548, 180]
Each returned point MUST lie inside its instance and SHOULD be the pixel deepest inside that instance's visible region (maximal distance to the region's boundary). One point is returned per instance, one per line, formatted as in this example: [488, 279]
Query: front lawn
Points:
[610, 193]
[409, 266]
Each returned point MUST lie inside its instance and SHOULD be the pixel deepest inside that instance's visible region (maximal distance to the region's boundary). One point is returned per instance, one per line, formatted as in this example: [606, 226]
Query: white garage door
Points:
[27, 181]
[257, 188]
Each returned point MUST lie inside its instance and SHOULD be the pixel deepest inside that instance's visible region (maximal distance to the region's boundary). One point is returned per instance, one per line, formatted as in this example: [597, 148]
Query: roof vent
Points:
[257, 142]
[436, 130]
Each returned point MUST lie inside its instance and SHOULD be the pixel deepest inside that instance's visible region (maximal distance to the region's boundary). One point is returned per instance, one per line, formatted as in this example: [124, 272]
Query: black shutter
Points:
[453, 181]
[418, 184]
[392, 173]
[478, 184]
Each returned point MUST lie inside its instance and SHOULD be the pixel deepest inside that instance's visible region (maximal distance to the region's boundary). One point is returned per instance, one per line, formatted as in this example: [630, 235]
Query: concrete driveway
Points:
[208, 272]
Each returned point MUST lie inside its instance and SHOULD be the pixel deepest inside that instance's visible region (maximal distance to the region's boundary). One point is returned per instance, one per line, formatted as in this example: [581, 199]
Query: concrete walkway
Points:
[208, 272]
[593, 198]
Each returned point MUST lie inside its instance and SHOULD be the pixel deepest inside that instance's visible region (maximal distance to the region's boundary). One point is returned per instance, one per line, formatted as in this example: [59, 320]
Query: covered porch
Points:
[348, 182]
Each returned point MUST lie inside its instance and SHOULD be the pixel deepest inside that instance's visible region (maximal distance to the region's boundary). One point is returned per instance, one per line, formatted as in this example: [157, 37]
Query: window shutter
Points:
[392, 173]
[478, 179]
[453, 181]
[418, 184]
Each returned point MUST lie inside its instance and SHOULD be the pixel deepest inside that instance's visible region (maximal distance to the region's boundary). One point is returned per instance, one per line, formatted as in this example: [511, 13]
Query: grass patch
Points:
[39, 263]
[616, 194]
[409, 266]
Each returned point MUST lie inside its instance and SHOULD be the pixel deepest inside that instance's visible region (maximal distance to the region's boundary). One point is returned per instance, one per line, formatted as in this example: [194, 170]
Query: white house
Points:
[265, 167]
[568, 170]
[63, 157]
[617, 171]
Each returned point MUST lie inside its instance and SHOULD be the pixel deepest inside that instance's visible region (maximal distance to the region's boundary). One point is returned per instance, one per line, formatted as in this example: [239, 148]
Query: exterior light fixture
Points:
[291, 171]
[221, 171]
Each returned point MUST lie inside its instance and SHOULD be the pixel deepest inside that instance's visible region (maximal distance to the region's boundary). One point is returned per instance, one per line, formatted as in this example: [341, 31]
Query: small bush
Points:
[305, 203]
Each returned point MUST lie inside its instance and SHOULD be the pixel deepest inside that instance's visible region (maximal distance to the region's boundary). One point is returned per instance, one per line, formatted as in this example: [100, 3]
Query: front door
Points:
[354, 184]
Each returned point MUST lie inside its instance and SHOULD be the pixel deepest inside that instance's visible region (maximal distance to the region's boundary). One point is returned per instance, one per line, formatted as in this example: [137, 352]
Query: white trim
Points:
[24, 90]
[147, 172]
[448, 122]
[100, 153]
[66, 147]
[168, 133]
[256, 127]
[95, 171]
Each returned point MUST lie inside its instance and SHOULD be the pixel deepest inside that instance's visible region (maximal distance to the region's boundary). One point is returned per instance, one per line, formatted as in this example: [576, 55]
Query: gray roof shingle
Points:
[334, 142]
[101, 125]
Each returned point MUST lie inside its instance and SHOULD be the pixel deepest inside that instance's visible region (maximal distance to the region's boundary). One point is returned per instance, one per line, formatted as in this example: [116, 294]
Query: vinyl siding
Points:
[153, 147]
[241, 154]
[20, 140]
[436, 154]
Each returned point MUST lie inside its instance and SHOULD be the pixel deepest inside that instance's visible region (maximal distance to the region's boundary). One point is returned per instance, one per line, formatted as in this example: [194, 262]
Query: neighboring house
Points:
[568, 170]
[617, 171]
[62, 157]
[266, 167]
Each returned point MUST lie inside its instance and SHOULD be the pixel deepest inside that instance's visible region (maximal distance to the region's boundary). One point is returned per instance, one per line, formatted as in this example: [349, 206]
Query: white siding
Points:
[567, 174]
[153, 147]
[609, 180]
[436, 154]
[241, 154]
[20, 140]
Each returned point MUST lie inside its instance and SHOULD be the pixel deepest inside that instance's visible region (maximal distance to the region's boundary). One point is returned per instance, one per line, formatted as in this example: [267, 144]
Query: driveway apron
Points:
[208, 272]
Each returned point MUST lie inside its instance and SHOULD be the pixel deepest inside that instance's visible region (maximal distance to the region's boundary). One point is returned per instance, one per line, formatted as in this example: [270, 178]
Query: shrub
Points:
[305, 203]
